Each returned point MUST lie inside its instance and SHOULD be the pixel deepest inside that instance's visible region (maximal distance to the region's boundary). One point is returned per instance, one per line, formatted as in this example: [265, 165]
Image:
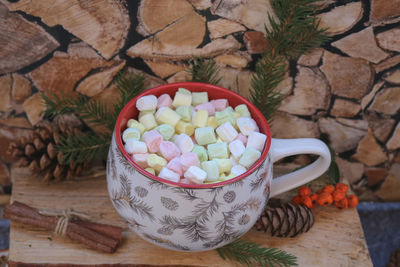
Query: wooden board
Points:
[336, 239]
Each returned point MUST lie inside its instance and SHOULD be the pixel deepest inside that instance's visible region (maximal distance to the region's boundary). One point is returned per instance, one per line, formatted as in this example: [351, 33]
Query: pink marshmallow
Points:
[206, 106]
[164, 101]
[219, 104]
[141, 160]
[185, 181]
[242, 138]
[153, 140]
[189, 159]
[176, 166]
[169, 150]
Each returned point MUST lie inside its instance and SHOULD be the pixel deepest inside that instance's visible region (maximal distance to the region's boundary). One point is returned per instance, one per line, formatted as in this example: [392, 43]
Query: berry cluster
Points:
[326, 196]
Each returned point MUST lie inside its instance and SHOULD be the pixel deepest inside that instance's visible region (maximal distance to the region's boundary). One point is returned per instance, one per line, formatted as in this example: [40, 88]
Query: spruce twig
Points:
[205, 71]
[252, 254]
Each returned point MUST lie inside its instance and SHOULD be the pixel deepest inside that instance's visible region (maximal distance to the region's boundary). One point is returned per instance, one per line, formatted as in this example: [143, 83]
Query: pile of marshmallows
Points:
[192, 140]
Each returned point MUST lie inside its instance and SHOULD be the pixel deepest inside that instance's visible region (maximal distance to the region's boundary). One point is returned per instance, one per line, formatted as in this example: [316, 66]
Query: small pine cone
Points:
[285, 219]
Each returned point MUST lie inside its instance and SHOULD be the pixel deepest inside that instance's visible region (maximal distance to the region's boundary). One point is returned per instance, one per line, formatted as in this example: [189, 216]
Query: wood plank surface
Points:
[336, 239]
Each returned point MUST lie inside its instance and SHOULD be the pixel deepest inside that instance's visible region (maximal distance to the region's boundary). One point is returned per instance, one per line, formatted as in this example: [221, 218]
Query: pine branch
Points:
[83, 147]
[96, 113]
[205, 71]
[250, 253]
[63, 104]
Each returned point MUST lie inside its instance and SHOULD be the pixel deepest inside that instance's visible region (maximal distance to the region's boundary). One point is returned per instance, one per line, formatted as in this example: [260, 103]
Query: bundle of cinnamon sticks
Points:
[98, 236]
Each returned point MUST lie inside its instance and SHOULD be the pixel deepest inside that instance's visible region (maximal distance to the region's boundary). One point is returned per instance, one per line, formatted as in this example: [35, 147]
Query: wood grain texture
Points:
[335, 240]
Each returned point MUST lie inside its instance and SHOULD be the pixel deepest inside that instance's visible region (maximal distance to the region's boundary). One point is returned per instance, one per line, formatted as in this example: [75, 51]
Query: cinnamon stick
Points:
[94, 235]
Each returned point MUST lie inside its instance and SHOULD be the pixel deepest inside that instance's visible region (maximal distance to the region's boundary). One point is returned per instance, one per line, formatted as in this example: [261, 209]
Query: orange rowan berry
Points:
[319, 191]
[342, 187]
[314, 198]
[342, 204]
[352, 201]
[324, 199]
[338, 195]
[328, 189]
[306, 201]
[296, 200]
[304, 191]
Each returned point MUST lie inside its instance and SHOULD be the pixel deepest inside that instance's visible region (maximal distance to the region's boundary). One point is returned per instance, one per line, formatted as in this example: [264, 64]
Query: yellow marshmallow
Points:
[148, 121]
[156, 162]
[212, 122]
[184, 127]
[182, 98]
[150, 170]
[200, 119]
[135, 124]
[168, 116]
[224, 165]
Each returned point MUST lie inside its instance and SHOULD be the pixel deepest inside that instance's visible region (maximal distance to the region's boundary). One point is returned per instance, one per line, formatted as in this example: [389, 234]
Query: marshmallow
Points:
[141, 159]
[184, 142]
[243, 110]
[148, 121]
[217, 150]
[233, 160]
[166, 130]
[201, 153]
[135, 147]
[184, 91]
[236, 115]
[169, 150]
[212, 122]
[224, 177]
[156, 162]
[226, 132]
[185, 181]
[169, 175]
[199, 98]
[224, 165]
[242, 138]
[206, 106]
[135, 124]
[144, 112]
[193, 115]
[195, 174]
[211, 168]
[153, 139]
[185, 112]
[249, 157]
[164, 100]
[130, 134]
[219, 104]
[256, 140]
[205, 136]
[182, 98]
[247, 125]
[224, 116]
[189, 159]
[176, 166]
[184, 127]
[147, 102]
[150, 170]
[200, 118]
[236, 148]
[168, 116]
[238, 170]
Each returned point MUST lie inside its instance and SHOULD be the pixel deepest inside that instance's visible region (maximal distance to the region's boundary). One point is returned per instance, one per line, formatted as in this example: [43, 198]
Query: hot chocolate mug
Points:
[196, 217]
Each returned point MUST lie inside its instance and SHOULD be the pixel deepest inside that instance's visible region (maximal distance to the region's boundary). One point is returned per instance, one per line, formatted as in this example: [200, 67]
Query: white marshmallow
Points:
[195, 175]
[131, 134]
[237, 148]
[134, 147]
[238, 170]
[226, 132]
[247, 125]
[184, 142]
[167, 174]
[234, 160]
[256, 140]
[147, 102]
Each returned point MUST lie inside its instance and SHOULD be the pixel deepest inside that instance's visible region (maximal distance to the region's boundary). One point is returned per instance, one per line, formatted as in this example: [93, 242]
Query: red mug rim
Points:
[199, 87]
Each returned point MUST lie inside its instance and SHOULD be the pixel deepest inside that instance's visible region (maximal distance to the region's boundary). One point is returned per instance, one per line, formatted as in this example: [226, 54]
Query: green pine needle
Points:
[205, 71]
[252, 254]
[62, 103]
[83, 147]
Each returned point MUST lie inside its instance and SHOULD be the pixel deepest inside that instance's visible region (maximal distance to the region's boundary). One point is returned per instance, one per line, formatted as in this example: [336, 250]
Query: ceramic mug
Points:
[193, 217]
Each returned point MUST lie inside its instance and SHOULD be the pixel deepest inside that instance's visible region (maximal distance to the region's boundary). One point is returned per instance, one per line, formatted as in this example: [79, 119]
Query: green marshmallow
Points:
[218, 151]
[211, 168]
[243, 110]
[205, 135]
[249, 157]
[201, 152]
[199, 98]
[225, 115]
[185, 112]
[166, 130]
[184, 91]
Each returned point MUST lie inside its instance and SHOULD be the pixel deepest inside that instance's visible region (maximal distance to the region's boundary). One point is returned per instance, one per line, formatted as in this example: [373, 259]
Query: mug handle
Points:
[281, 148]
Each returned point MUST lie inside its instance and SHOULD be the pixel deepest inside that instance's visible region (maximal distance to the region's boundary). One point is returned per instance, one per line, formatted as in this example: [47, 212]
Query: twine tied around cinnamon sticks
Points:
[64, 218]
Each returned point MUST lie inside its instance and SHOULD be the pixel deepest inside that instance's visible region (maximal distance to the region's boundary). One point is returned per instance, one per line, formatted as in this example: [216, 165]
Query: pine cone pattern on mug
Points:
[285, 219]
[38, 152]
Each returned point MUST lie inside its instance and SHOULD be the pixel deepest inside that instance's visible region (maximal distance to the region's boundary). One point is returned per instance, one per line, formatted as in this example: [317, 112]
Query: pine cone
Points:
[38, 151]
[394, 260]
[285, 219]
